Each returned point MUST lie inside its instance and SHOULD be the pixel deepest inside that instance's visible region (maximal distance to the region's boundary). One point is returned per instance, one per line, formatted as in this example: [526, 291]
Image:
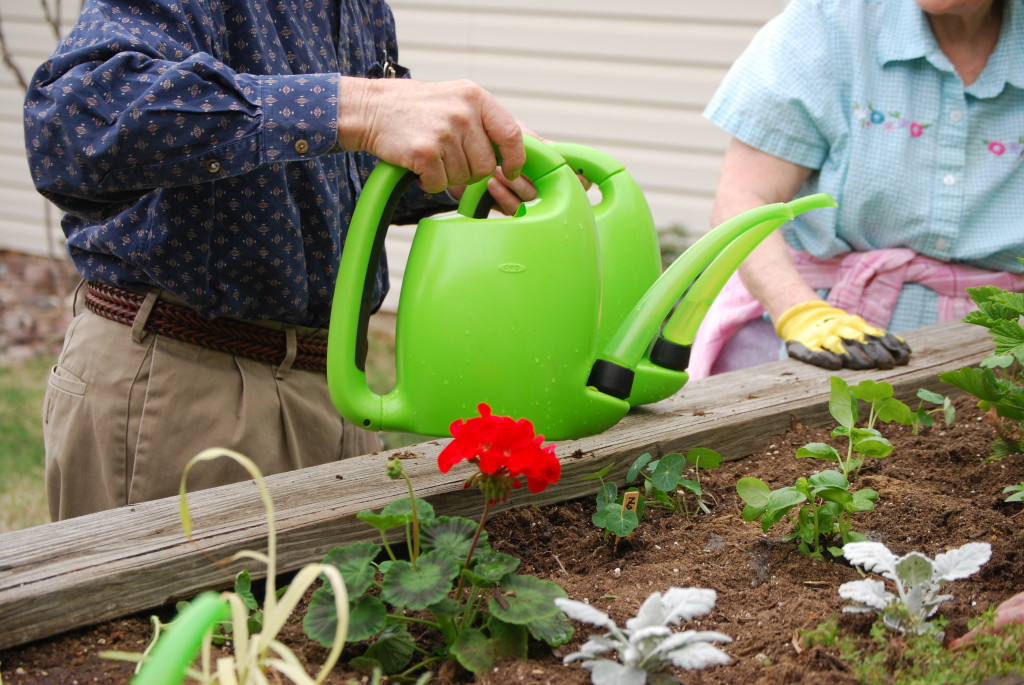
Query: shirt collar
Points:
[905, 35]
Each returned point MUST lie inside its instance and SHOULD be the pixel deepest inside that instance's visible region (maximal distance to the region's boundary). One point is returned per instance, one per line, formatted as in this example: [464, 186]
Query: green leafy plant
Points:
[647, 646]
[664, 487]
[609, 514]
[1017, 490]
[448, 580]
[923, 417]
[861, 441]
[918, 581]
[824, 504]
[664, 484]
[998, 382]
[253, 654]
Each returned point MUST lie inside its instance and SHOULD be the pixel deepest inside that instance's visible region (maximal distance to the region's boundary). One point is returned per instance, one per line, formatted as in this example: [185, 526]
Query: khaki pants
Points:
[126, 409]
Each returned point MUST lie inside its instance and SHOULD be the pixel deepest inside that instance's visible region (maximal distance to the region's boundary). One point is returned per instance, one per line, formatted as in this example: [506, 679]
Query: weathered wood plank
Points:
[81, 571]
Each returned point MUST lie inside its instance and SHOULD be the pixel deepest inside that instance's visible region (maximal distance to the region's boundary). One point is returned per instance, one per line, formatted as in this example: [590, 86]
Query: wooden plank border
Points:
[93, 568]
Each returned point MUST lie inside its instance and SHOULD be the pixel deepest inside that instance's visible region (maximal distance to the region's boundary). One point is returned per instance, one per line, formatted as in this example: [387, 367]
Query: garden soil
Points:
[936, 491]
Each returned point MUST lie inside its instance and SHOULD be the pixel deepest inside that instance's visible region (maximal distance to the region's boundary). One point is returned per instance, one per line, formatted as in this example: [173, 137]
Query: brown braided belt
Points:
[223, 335]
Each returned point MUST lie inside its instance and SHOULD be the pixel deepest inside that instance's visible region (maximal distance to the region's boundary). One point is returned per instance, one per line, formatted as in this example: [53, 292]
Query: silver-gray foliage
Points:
[918, 580]
[647, 645]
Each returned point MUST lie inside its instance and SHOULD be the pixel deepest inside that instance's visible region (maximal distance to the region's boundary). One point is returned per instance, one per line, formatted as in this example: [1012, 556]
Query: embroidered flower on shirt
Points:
[999, 148]
[893, 121]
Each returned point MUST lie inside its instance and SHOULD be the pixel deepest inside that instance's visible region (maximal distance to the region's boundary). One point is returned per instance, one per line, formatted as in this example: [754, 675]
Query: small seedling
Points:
[610, 515]
[923, 416]
[918, 581]
[647, 646]
[1017, 490]
[825, 503]
[861, 442]
[664, 485]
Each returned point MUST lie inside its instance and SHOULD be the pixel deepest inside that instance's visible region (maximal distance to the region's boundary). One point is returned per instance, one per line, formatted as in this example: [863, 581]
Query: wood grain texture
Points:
[93, 568]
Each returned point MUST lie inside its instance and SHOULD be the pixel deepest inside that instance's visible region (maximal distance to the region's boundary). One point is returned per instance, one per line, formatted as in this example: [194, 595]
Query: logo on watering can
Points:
[511, 268]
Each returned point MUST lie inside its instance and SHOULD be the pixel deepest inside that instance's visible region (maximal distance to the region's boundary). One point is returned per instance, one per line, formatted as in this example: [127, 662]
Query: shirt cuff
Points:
[300, 116]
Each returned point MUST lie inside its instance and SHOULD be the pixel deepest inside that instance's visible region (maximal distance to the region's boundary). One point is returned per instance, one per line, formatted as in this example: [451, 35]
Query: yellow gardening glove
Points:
[819, 334]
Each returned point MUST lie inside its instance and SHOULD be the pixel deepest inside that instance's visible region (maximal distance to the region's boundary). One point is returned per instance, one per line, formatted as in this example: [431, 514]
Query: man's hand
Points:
[445, 133]
[831, 338]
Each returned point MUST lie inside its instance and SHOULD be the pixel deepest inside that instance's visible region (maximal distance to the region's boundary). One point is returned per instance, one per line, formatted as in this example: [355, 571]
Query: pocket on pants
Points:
[62, 386]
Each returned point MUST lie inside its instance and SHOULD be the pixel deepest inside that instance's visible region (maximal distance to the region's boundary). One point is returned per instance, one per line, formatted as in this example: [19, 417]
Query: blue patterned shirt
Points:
[192, 147]
[860, 92]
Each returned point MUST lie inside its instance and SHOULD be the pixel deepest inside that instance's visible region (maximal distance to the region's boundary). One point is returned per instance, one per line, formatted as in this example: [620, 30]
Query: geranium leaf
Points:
[321, 619]
[403, 507]
[526, 599]
[366, 618]
[417, 587]
[493, 566]
[554, 630]
[474, 651]
[381, 522]
[393, 649]
[452, 536]
[508, 639]
[355, 563]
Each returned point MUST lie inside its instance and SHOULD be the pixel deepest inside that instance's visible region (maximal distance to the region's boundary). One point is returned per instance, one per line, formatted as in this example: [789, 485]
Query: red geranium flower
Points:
[504, 450]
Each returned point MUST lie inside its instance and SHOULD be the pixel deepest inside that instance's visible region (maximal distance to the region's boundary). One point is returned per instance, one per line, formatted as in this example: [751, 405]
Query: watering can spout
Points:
[701, 272]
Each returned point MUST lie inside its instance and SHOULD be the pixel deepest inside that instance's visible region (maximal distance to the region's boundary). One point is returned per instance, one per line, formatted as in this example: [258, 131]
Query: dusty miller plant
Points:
[647, 646]
[919, 582]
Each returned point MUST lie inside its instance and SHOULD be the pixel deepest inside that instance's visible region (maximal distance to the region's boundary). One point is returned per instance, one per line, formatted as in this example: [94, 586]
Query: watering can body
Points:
[517, 312]
[503, 311]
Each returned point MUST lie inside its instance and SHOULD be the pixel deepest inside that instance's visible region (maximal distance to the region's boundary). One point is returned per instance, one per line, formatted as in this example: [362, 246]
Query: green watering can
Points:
[509, 310]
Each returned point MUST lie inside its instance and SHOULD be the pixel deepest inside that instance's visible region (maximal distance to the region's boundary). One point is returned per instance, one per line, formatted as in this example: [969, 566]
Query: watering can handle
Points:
[593, 165]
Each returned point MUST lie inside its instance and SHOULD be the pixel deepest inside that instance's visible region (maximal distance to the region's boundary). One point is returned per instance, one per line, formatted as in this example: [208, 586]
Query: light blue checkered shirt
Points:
[860, 91]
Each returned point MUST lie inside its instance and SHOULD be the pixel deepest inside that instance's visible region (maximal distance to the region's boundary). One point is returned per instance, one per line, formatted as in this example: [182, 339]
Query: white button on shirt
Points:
[949, 179]
[956, 115]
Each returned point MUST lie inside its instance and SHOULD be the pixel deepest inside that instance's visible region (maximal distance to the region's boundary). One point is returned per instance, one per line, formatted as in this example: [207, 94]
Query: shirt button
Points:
[941, 244]
[301, 146]
[949, 179]
[956, 115]
[212, 165]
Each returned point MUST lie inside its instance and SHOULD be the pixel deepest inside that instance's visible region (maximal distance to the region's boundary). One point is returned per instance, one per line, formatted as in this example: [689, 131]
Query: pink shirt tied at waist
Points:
[863, 283]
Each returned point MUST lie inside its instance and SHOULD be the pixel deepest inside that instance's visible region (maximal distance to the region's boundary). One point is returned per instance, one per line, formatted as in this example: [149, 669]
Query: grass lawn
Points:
[22, 494]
